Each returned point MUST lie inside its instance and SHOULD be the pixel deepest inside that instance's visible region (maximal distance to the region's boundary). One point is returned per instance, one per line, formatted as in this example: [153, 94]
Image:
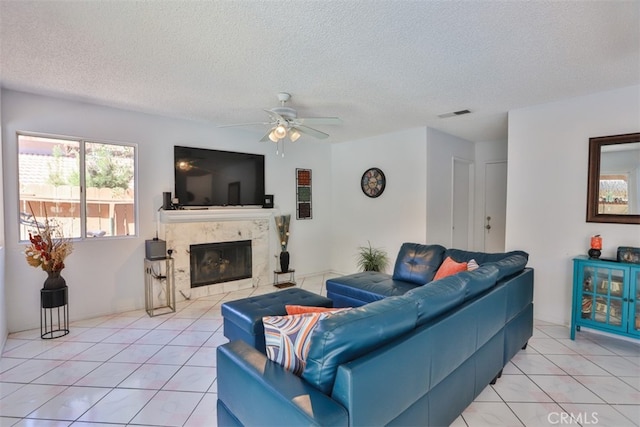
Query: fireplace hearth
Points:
[220, 262]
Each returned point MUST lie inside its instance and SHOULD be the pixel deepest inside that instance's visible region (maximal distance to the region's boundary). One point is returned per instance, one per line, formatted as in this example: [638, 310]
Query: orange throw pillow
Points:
[450, 267]
[302, 309]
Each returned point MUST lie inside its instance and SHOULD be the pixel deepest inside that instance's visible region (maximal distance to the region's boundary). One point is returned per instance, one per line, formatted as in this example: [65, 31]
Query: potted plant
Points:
[372, 259]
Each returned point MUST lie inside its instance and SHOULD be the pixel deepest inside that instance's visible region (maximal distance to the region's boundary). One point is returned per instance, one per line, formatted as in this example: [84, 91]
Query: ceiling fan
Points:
[284, 122]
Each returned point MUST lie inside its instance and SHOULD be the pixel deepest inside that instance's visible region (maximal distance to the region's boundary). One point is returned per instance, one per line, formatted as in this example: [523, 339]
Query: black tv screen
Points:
[218, 178]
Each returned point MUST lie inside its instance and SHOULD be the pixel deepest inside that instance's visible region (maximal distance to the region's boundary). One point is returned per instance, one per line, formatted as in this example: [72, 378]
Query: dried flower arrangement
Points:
[48, 248]
[282, 222]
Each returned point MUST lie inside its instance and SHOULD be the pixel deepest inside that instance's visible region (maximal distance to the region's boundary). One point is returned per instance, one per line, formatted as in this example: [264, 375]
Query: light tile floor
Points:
[132, 369]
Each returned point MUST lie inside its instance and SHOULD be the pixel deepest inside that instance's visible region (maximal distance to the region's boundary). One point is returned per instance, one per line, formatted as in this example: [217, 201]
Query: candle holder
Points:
[596, 246]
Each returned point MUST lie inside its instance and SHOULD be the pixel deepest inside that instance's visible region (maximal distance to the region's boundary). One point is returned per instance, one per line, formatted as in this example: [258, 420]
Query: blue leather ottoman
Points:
[243, 317]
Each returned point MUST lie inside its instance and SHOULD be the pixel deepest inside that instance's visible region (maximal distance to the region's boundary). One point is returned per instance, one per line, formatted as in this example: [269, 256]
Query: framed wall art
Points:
[303, 194]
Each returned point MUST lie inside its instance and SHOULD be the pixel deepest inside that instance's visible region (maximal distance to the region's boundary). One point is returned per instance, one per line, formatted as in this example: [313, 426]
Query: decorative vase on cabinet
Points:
[606, 297]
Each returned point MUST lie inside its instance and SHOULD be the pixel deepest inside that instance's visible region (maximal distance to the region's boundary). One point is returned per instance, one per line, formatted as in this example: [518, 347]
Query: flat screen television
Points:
[206, 177]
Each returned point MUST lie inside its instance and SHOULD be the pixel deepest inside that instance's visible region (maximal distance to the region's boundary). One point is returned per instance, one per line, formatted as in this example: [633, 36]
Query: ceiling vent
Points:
[455, 113]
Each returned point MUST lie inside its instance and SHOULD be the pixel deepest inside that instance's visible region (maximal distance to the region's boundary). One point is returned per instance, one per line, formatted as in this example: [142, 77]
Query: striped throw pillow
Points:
[472, 265]
[287, 338]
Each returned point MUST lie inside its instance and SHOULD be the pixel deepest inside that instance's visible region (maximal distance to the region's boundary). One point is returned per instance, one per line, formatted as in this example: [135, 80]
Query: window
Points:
[613, 197]
[86, 188]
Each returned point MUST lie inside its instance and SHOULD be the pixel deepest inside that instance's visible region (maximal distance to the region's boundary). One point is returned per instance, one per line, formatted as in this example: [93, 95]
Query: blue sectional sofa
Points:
[411, 352]
[416, 265]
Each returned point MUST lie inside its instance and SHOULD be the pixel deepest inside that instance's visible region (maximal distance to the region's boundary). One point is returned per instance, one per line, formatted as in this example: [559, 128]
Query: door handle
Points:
[488, 226]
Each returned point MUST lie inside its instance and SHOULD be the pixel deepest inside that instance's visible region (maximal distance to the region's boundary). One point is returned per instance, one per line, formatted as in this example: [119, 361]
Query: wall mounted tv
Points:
[218, 178]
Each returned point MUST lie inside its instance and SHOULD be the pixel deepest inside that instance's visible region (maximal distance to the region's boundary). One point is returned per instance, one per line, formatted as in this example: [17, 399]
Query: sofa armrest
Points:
[257, 391]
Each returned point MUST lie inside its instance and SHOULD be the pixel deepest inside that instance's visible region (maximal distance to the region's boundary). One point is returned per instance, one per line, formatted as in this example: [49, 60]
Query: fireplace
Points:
[220, 262]
[183, 228]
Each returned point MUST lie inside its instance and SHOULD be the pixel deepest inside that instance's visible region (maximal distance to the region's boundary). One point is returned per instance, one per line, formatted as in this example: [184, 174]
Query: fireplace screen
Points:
[220, 262]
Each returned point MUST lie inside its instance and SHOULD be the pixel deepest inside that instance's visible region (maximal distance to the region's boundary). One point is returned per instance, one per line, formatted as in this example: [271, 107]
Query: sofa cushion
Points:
[508, 262]
[349, 334]
[479, 280]
[438, 296]
[418, 263]
[367, 286]
[449, 267]
[287, 338]
[481, 257]
[511, 265]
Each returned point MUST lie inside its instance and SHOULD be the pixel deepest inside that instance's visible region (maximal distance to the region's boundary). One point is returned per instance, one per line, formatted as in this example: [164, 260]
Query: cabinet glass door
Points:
[602, 295]
[635, 304]
[588, 294]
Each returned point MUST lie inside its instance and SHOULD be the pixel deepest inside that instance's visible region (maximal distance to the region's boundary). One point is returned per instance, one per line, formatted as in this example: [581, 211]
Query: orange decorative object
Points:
[596, 242]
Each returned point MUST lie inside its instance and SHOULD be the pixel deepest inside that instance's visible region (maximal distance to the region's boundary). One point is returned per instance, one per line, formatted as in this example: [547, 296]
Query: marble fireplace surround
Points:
[182, 228]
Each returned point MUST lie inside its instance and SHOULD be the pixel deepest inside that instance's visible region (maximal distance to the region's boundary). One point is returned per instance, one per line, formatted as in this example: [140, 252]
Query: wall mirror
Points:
[613, 188]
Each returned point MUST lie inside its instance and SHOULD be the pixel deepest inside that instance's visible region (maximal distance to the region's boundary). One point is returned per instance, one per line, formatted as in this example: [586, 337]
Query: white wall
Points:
[106, 276]
[547, 189]
[3, 302]
[416, 204]
[441, 149]
[4, 328]
[398, 215]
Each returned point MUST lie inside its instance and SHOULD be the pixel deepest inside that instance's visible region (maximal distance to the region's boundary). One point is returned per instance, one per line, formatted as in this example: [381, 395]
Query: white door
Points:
[462, 201]
[495, 206]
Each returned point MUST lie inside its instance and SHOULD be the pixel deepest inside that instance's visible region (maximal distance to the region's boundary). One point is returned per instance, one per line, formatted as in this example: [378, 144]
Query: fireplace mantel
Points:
[215, 214]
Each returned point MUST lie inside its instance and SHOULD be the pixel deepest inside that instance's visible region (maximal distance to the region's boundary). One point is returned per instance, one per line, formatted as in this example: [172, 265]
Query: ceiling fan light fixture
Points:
[284, 123]
[280, 131]
[294, 135]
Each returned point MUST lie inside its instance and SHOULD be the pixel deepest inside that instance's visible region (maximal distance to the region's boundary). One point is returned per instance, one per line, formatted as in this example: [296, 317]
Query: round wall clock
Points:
[373, 182]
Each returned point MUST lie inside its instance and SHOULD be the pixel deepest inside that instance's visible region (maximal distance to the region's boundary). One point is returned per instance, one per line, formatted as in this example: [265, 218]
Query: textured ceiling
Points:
[381, 66]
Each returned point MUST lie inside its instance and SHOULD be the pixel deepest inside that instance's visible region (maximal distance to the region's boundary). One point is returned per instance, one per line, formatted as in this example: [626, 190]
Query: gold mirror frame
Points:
[593, 183]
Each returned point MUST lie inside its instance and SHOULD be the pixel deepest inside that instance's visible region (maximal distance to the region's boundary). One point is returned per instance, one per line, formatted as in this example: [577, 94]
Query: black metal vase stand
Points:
[54, 314]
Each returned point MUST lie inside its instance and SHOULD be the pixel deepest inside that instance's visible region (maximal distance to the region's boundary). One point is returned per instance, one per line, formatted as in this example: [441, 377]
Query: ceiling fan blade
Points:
[313, 132]
[275, 117]
[265, 138]
[244, 124]
[319, 121]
